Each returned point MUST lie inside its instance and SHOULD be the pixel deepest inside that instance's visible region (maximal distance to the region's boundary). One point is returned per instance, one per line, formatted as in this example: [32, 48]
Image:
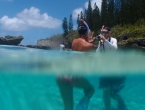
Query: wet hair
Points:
[82, 29]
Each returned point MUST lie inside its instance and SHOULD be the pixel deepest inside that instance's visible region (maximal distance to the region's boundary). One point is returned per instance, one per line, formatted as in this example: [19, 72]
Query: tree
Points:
[65, 27]
[89, 15]
[81, 15]
[78, 20]
[96, 18]
[70, 23]
[117, 8]
[110, 13]
[104, 12]
[85, 14]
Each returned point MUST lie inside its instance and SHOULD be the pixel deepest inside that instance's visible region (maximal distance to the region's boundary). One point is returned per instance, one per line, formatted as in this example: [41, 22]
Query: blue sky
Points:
[38, 19]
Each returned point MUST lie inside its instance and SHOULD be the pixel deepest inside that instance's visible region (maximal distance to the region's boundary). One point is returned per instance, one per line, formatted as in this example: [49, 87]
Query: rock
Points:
[127, 41]
[52, 42]
[140, 41]
[135, 45]
[48, 43]
[38, 47]
[124, 37]
[11, 40]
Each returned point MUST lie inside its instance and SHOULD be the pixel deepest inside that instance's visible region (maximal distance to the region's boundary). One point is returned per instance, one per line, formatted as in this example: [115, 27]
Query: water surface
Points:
[27, 77]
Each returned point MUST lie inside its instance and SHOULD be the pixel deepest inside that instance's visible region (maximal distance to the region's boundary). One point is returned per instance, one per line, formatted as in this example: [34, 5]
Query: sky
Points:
[38, 19]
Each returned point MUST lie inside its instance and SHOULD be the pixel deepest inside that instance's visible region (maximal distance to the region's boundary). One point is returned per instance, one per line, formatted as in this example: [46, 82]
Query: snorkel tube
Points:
[103, 27]
[86, 26]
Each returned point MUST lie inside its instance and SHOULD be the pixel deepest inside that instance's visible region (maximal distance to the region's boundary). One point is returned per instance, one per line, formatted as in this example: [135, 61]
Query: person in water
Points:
[62, 46]
[66, 83]
[111, 85]
[106, 42]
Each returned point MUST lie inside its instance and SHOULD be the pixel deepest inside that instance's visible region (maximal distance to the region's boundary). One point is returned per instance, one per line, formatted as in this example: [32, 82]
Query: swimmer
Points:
[66, 83]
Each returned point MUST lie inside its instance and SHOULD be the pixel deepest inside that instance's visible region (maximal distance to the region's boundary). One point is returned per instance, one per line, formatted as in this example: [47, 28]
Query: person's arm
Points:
[91, 38]
[88, 46]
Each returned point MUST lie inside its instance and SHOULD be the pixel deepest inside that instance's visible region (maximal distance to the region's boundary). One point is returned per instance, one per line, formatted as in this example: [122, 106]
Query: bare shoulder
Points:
[76, 40]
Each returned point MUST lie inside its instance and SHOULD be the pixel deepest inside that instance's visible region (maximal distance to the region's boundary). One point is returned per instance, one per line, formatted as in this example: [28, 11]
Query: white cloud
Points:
[76, 12]
[29, 18]
[98, 3]
[13, 24]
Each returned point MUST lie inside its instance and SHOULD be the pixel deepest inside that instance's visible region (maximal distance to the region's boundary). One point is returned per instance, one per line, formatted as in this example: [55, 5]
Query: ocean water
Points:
[28, 77]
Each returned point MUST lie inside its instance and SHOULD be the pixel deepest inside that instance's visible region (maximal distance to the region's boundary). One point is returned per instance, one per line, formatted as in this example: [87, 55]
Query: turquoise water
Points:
[27, 77]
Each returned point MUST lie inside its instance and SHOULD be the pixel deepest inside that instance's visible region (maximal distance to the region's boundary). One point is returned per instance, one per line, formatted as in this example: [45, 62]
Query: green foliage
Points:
[125, 16]
[56, 37]
[72, 35]
[81, 15]
[140, 22]
[70, 23]
[110, 13]
[131, 40]
[116, 30]
[96, 18]
[130, 11]
[8, 37]
[89, 15]
[78, 20]
[121, 43]
[104, 11]
[65, 27]
[135, 31]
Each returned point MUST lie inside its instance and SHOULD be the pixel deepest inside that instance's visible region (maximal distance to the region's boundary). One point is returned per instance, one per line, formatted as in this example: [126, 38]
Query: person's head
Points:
[105, 31]
[83, 30]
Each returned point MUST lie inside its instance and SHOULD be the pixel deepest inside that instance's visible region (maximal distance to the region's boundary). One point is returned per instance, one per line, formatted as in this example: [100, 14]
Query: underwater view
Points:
[28, 77]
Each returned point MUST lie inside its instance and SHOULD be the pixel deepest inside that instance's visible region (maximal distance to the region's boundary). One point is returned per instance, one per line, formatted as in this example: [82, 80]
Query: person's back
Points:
[81, 44]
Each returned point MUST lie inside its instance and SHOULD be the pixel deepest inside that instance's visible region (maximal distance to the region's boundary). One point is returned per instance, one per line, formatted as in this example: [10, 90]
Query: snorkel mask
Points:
[87, 27]
[105, 30]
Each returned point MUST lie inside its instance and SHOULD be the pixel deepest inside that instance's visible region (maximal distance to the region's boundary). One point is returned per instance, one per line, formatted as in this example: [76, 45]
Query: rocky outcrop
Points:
[48, 43]
[52, 42]
[11, 40]
[124, 37]
[140, 42]
[127, 41]
[37, 47]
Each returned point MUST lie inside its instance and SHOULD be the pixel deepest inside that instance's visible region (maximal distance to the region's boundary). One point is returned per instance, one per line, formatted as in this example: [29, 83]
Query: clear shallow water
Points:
[27, 77]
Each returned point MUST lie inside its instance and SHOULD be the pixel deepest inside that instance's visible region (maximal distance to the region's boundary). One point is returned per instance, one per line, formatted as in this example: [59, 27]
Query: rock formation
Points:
[126, 40]
[52, 42]
[10, 40]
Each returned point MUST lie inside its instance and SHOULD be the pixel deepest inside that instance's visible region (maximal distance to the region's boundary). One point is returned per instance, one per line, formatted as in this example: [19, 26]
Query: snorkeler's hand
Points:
[101, 43]
[91, 38]
[102, 37]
